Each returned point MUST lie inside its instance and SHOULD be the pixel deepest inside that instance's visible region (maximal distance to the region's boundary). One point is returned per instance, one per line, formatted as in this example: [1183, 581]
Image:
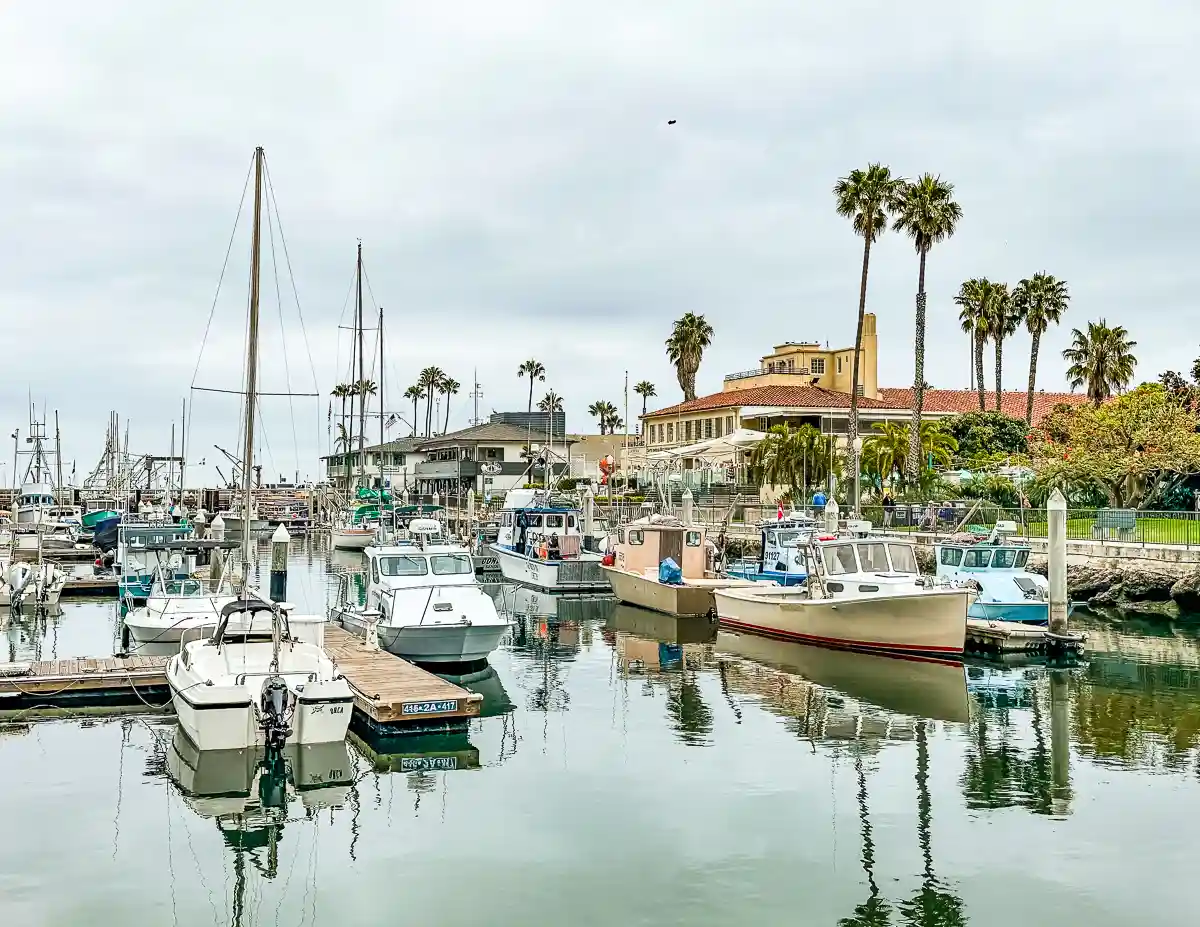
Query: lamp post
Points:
[858, 444]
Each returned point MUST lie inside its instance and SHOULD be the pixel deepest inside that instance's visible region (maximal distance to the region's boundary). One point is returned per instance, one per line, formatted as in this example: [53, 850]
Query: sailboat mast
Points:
[251, 364]
[358, 384]
[58, 453]
[381, 403]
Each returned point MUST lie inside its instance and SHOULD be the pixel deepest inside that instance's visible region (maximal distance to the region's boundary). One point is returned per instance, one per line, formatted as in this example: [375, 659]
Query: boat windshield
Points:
[1004, 558]
[903, 558]
[976, 559]
[403, 566]
[873, 558]
[787, 538]
[1022, 559]
[839, 559]
[451, 564]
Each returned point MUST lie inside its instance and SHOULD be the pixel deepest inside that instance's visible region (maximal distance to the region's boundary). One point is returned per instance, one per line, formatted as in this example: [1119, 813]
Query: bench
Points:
[1114, 525]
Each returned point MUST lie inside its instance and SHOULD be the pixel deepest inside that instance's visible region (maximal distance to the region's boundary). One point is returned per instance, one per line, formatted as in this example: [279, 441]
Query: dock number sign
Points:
[429, 708]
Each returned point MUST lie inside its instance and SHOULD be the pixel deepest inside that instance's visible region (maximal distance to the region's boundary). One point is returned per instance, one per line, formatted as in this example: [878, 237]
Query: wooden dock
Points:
[391, 696]
[90, 585]
[986, 636]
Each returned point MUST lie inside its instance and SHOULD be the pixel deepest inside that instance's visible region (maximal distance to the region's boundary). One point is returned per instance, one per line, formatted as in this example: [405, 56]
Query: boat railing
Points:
[240, 679]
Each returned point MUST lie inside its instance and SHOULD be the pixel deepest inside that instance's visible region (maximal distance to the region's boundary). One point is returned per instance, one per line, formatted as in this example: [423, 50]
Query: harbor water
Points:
[631, 769]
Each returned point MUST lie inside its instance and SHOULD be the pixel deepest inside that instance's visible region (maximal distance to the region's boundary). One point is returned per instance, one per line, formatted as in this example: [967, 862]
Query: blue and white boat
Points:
[781, 557]
[137, 560]
[542, 544]
[1007, 591]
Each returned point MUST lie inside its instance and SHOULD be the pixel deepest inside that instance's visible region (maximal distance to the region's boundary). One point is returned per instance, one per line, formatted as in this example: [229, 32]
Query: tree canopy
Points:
[986, 434]
[1136, 447]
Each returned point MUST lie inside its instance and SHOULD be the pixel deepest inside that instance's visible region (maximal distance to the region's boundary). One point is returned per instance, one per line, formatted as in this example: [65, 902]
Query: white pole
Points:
[1056, 535]
[687, 507]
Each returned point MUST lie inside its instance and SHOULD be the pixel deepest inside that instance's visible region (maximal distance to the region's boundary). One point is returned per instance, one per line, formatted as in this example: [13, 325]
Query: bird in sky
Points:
[671, 122]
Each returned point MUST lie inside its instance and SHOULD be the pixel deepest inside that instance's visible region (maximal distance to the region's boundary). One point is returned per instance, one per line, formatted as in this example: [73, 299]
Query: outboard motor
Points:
[277, 707]
[19, 575]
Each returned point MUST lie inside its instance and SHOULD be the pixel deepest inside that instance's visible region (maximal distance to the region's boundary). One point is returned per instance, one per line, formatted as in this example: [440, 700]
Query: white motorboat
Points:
[543, 545]
[423, 601]
[863, 594]
[347, 536]
[39, 585]
[242, 688]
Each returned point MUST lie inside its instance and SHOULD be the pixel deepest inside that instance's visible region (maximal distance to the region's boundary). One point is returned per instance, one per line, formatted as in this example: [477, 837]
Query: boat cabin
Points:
[541, 532]
[642, 545]
[783, 545]
[866, 561]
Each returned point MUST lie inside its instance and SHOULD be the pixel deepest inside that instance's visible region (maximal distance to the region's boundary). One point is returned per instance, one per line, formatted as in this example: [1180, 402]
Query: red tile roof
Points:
[1012, 402]
[804, 397]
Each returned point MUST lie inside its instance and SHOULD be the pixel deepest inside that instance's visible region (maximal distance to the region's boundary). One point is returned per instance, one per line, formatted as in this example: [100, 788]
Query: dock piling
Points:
[688, 503]
[279, 557]
[1056, 549]
[216, 566]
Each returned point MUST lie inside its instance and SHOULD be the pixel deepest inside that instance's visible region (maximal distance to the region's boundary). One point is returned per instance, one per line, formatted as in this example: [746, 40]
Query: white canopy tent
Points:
[725, 446]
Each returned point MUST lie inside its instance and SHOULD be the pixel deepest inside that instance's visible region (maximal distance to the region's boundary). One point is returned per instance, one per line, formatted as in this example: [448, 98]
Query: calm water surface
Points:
[635, 770]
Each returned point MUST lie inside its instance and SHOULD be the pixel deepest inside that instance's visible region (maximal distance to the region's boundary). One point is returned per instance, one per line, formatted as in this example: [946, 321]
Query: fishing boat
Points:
[781, 558]
[242, 687]
[1007, 590]
[139, 557]
[640, 574]
[862, 594]
[542, 545]
[39, 584]
[424, 602]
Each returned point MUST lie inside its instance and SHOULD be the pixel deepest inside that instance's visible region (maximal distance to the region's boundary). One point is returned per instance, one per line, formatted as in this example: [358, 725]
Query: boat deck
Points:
[1014, 636]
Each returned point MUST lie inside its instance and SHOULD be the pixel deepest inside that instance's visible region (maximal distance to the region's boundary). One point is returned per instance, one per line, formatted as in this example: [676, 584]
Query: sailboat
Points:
[351, 531]
[243, 687]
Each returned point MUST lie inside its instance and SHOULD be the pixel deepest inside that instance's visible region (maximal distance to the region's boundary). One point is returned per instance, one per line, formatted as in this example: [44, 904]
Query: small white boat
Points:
[31, 584]
[542, 545]
[242, 688]
[643, 545]
[353, 537]
[862, 594]
[423, 602]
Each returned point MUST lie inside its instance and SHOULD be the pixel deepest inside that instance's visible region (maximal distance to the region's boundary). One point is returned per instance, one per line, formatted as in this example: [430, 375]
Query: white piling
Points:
[279, 558]
[1056, 535]
[216, 563]
[688, 502]
[831, 516]
[589, 512]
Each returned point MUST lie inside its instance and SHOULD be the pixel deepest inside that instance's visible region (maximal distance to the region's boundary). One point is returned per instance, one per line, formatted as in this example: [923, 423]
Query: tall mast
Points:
[381, 403]
[182, 449]
[362, 394]
[251, 365]
[58, 453]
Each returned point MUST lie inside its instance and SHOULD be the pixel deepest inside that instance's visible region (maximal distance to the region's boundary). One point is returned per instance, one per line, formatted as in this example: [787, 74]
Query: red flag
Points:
[779, 515]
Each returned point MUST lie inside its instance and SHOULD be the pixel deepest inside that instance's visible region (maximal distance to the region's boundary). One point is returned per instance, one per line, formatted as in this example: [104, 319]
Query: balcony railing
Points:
[747, 374]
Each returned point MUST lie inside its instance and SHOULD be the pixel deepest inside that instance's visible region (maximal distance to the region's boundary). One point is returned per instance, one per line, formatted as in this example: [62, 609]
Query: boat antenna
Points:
[251, 365]
[362, 372]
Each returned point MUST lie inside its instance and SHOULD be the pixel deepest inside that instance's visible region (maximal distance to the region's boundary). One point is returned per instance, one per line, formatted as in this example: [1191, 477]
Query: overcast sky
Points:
[519, 193]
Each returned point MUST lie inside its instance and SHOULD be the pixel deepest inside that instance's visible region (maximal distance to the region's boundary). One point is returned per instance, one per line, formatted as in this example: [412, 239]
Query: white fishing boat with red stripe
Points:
[863, 594]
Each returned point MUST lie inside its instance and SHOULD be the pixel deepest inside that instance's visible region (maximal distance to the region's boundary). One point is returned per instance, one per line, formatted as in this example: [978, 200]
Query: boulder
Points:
[1146, 586]
[1185, 592]
[1108, 598]
[1085, 583]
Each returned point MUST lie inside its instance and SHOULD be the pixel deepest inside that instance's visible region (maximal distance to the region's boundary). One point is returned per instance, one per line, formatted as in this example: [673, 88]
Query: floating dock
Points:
[985, 636]
[90, 585]
[391, 696]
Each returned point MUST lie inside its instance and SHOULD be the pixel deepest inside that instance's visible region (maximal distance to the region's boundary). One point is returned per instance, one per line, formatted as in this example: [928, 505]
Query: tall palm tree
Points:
[343, 392]
[887, 450]
[550, 403]
[645, 389]
[971, 300]
[448, 387]
[864, 197]
[1100, 359]
[1002, 318]
[535, 371]
[690, 335]
[925, 209]
[414, 393]
[1042, 300]
[429, 380]
[604, 411]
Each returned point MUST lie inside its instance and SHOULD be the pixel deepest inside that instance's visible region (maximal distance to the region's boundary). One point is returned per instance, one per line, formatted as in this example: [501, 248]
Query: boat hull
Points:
[928, 623]
[442, 644]
[1020, 612]
[753, 574]
[353, 538]
[582, 575]
[682, 601]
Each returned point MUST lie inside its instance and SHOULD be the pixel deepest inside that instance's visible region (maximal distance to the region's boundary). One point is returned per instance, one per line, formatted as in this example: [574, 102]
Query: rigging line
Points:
[263, 429]
[378, 335]
[224, 265]
[291, 276]
[287, 374]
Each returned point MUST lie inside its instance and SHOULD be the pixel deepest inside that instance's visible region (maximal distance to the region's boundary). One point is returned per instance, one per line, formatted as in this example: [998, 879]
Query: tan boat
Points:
[864, 594]
[639, 549]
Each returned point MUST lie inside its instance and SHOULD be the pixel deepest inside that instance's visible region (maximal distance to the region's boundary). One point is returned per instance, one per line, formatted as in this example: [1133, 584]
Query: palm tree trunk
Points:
[999, 387]
[1033, 357]
[416, 399]
[971, 357]
[644, 398]
[852, 424]
[979, 370]
[918, 403]
[428, 410]
[446, 427]
[529, 405]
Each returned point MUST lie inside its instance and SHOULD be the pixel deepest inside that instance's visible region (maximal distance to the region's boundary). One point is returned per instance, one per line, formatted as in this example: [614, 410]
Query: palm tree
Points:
[535, 371]
[645, 389]
[690, 335]
[1001, 318]
[429, 380]
[1101, 359]
[414, 393]
[937, 444]
[887, 449]
[926, 210]
[863, 197]
[343, 392]
[615, 422]
[604, 411]
[550, 403]
[971, 300]
[448, 387]
[1042, 300]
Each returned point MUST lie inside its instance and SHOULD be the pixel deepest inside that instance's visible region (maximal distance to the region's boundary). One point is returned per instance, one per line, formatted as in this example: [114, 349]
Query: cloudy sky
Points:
[510, 171]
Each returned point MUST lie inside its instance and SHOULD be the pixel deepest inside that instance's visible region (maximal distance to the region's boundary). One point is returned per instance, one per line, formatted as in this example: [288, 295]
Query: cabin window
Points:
[570, 521]
[903, 558]
[708, 428]
[1004, 558]
[403, 566]
[374, 570]
[554, 521]
[451, 564]
[621, 536]
[866, 588]
[839, 559]
[1022, 559]
[873, 557]
[636, 536]
[976, 559]
[835, 587]
[693, 539]
[951, 556]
